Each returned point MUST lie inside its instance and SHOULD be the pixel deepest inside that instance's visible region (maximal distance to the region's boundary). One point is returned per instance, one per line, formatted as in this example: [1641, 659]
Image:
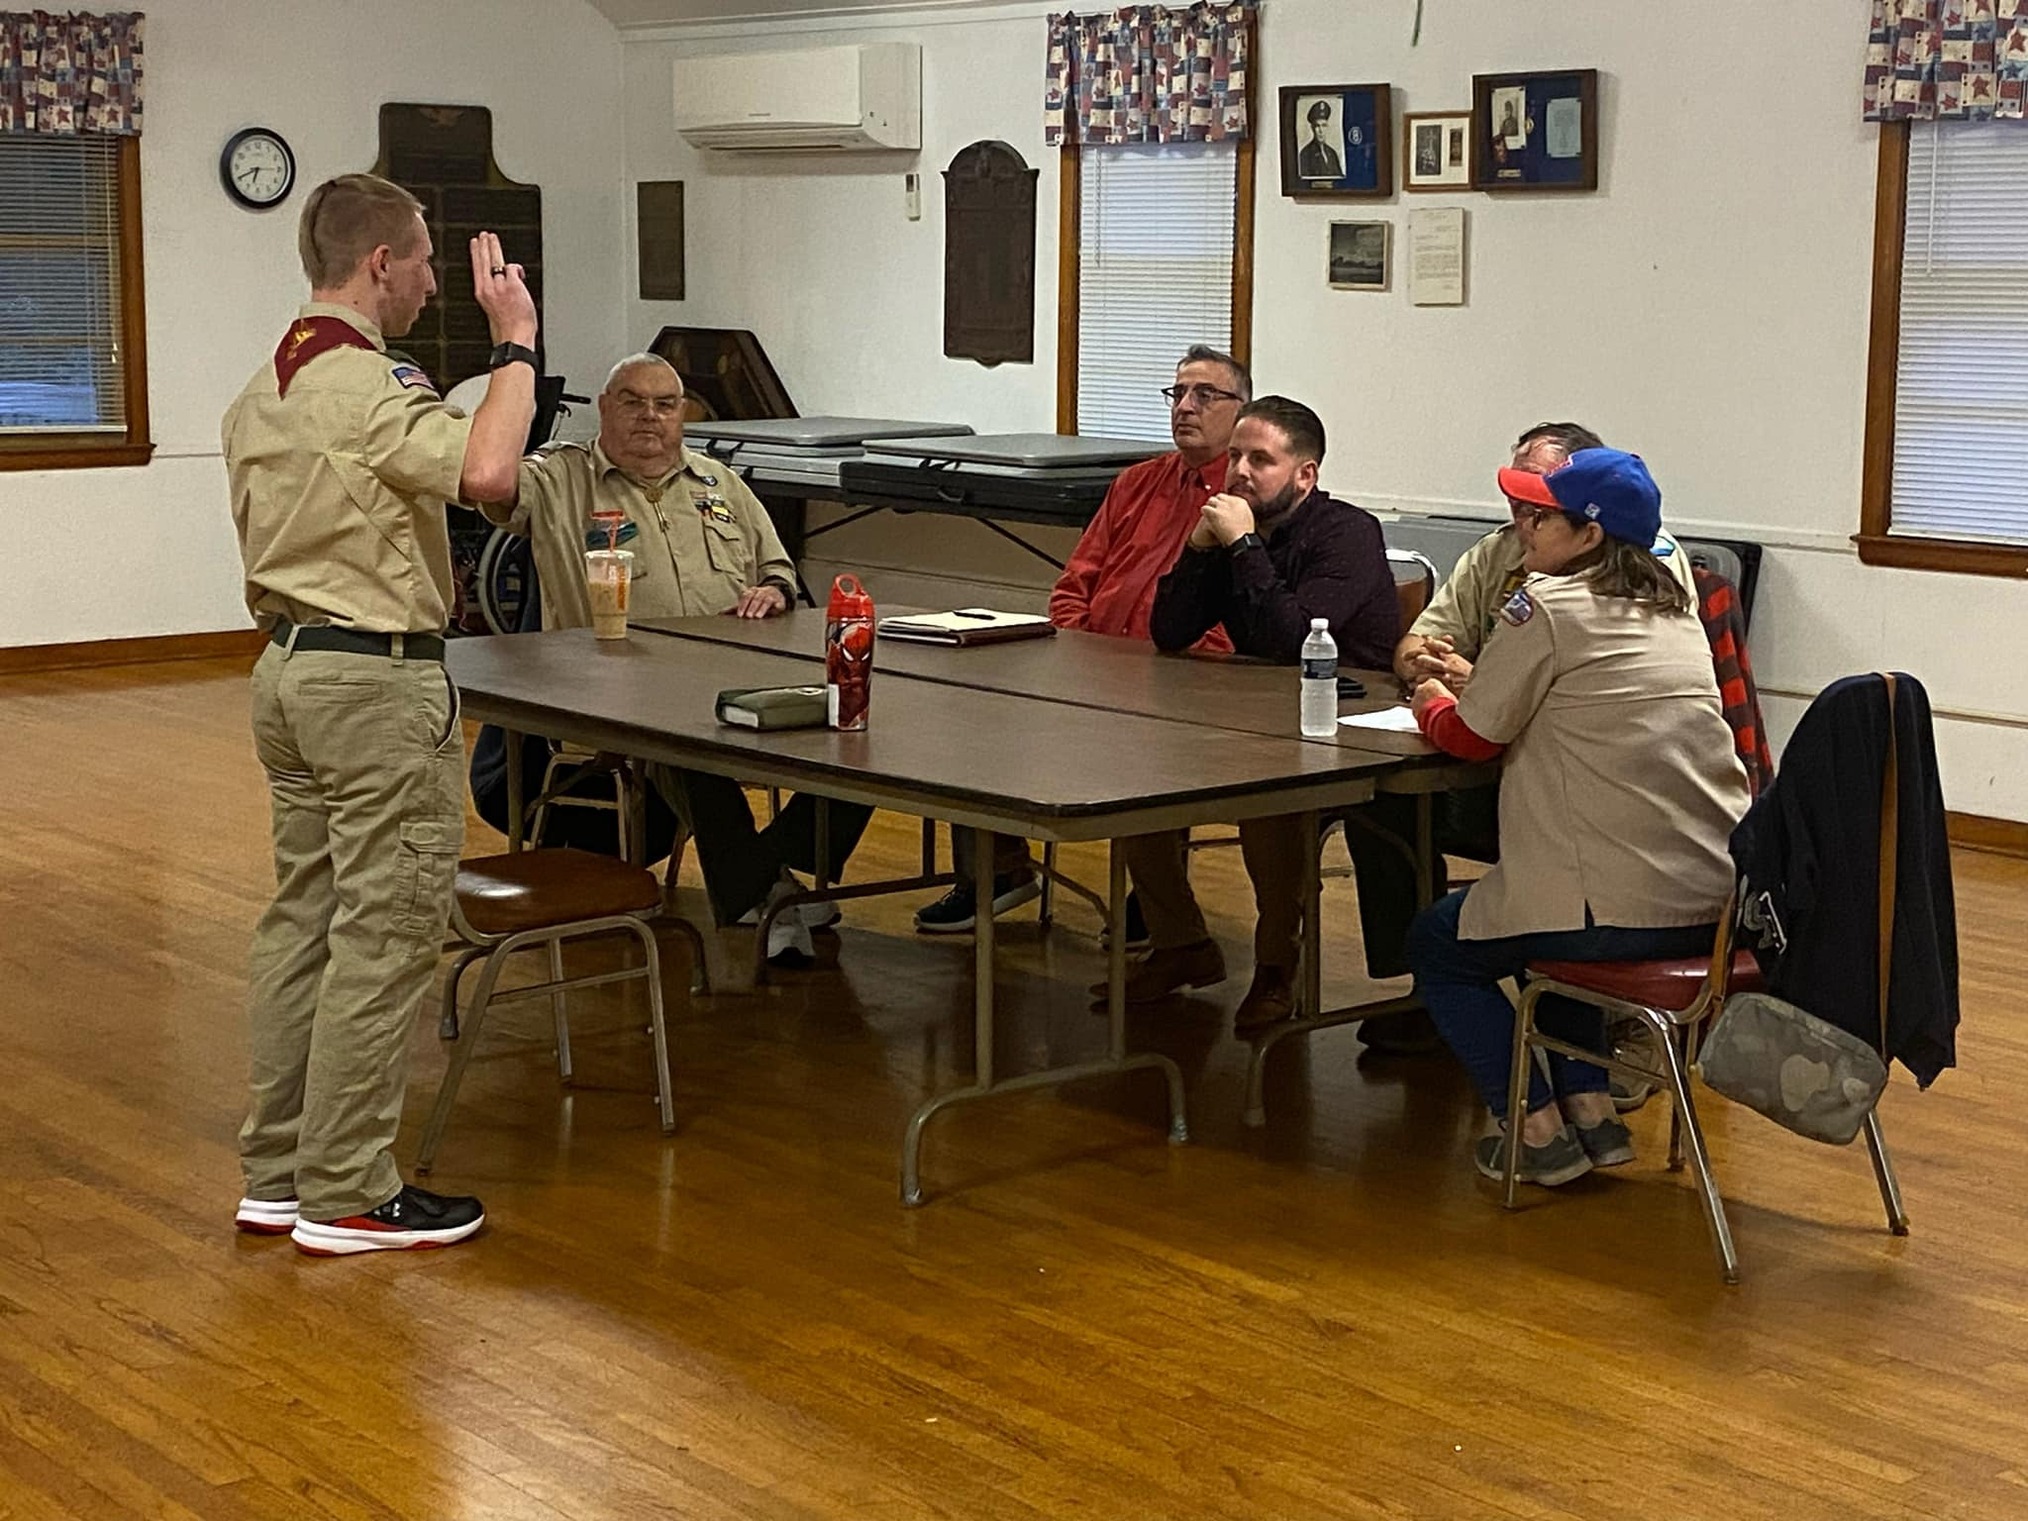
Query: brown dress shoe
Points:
[1270, 1000]
[1171, 970]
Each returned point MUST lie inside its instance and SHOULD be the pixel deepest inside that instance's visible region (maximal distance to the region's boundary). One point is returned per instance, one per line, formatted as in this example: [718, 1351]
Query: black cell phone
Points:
[1350, 686]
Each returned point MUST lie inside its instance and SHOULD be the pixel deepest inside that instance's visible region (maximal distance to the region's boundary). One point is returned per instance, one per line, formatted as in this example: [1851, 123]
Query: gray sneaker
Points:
[1552, 1164]
[1608, 1143]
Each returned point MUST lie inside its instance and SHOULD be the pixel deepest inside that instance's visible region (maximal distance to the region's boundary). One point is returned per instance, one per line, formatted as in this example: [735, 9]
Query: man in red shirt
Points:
[1109, 587]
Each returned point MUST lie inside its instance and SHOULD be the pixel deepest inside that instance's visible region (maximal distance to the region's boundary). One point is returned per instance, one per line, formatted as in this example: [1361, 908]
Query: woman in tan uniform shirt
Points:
[1619, 790]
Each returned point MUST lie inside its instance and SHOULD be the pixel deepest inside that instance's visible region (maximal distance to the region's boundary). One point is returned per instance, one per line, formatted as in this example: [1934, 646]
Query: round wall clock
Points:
[257, 168]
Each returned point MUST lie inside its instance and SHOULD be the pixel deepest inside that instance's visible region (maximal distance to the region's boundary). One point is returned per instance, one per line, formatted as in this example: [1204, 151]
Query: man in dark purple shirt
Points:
[1272, 552]
[1268, 554]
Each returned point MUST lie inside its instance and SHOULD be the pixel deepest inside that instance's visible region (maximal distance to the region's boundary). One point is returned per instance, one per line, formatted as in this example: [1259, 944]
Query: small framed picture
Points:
[1436, 150]
[1337, 141]
[1535, 131]
[1359, 253]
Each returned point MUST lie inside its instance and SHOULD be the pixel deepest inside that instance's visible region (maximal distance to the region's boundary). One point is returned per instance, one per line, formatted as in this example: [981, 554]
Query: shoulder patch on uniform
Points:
[1517, 609]
[414, 377]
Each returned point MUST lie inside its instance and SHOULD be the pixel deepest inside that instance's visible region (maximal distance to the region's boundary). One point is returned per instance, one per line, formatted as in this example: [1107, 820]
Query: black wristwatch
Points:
[513, 353]
[1245, 542]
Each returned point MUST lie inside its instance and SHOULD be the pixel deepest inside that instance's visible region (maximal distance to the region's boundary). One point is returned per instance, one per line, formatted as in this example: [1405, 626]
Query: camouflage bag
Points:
[1803, 1072]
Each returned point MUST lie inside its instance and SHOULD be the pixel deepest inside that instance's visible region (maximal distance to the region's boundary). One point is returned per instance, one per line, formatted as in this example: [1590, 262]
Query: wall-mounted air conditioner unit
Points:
[868, 96]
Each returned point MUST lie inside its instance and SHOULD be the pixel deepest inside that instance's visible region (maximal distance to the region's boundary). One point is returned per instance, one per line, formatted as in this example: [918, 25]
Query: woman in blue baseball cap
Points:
[1619, 790]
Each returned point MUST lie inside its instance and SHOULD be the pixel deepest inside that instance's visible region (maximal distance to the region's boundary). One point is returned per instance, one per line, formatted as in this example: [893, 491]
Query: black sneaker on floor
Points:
[1409, 1034]
[956, 912]
[413, 1219]
[1137, 928]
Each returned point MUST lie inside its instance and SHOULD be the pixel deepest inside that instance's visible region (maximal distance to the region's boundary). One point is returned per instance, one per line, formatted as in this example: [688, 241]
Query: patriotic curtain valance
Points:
[1946, 60]
[1149, 74]
[69, 73]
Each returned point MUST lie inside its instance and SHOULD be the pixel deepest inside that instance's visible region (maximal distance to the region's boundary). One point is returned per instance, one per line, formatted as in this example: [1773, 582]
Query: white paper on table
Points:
[1436, 257]
[1400, 720]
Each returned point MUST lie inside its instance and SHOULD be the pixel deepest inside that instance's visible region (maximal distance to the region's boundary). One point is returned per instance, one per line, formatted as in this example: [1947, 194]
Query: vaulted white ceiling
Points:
[648, 13]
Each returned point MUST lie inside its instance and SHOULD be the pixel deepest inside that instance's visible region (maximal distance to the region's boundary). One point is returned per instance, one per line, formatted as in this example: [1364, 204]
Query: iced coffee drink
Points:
[608, 574]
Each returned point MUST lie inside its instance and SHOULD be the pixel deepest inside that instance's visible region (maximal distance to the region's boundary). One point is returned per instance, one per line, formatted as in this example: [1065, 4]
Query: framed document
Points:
[1436, 150]
[1535, 131]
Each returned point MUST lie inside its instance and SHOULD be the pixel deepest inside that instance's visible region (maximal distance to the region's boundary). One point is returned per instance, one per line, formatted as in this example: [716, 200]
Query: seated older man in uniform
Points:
[702, 545]
[1443, 643]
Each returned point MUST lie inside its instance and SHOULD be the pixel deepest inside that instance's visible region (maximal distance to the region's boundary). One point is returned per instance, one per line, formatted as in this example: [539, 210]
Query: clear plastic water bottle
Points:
[1320, 682]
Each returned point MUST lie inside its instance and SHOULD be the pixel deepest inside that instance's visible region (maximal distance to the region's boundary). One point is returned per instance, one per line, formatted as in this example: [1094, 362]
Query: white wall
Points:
[1708, 306]
[222, 283]
[816, 255]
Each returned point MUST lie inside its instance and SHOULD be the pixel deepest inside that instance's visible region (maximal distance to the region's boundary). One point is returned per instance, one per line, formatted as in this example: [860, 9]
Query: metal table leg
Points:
[1311, 1013]
[984, 1084]
[516, 799]
[1311, 998]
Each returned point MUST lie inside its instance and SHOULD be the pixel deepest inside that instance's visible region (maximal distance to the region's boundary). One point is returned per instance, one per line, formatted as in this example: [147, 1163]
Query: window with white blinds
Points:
[1154, 276]
[61, 312]
[1961, 380]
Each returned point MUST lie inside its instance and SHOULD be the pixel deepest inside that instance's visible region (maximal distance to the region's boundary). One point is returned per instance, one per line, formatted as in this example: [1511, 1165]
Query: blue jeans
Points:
[1459, 983]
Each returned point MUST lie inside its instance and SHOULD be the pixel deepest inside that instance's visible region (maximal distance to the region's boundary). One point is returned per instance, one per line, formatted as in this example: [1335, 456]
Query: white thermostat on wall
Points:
[257, 168]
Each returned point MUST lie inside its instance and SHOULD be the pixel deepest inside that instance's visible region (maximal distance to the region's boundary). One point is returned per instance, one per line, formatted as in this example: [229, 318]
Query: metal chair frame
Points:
[495, 949]
[1677, 1032]
[564, 772]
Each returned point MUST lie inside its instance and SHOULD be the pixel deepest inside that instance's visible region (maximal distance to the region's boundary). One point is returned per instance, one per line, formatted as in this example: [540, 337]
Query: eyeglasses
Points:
[661, 406]
[1200, 393]
[1530, 514]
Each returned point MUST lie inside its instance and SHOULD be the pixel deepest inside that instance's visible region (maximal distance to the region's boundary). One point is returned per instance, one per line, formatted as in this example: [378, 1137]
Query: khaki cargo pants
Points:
[365, 760]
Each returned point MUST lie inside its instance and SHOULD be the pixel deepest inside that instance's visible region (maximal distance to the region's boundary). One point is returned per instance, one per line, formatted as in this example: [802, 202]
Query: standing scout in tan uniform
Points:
[340, 458]
[1619, 790]
[702, 545]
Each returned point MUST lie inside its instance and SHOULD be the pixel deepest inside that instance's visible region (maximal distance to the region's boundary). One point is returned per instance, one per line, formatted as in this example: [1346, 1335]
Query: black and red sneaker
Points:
[413, 1219]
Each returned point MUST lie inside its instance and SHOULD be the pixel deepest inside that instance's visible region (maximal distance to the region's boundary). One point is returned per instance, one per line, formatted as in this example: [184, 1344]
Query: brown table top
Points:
[1052, 770]
[1088, 670]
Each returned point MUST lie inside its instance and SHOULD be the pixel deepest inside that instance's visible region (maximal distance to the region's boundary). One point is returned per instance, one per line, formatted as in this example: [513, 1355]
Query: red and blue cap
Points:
[1608, 487]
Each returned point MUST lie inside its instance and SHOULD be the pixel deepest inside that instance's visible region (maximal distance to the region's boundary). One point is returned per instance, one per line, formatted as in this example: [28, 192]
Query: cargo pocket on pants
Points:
[429, 868]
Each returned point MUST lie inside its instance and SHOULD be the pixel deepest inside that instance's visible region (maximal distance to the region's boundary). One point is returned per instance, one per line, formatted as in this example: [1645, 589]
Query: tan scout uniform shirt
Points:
[338, 489]
[1620, 785]
[1468, 602]
[700, 538]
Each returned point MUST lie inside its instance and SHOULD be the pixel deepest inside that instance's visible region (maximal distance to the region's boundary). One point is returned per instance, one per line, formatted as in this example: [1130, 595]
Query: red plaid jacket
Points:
[1725, 626]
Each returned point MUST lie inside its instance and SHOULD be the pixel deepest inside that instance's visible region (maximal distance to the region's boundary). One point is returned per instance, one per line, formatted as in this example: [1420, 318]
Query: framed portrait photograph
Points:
[1337, 141]
[1535, 131]
[1436, 150]
[1358, 255]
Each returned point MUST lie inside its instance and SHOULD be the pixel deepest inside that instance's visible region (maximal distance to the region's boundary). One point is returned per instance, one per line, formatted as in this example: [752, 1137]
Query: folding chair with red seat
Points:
[1675, 1000]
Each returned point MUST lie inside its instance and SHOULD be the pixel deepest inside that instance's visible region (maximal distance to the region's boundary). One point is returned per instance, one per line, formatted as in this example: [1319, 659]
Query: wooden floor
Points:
[1328, 1320]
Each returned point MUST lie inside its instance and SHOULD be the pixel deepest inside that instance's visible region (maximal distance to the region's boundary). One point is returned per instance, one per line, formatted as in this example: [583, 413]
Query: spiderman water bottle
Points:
[848, 653]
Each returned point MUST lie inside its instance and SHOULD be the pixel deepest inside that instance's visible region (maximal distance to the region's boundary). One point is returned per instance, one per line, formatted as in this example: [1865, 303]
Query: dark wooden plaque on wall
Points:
[658, 229]
[989, 256]
[443, 156]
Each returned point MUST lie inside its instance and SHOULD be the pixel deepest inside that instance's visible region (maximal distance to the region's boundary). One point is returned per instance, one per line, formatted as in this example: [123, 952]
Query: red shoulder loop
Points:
[308, 337]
